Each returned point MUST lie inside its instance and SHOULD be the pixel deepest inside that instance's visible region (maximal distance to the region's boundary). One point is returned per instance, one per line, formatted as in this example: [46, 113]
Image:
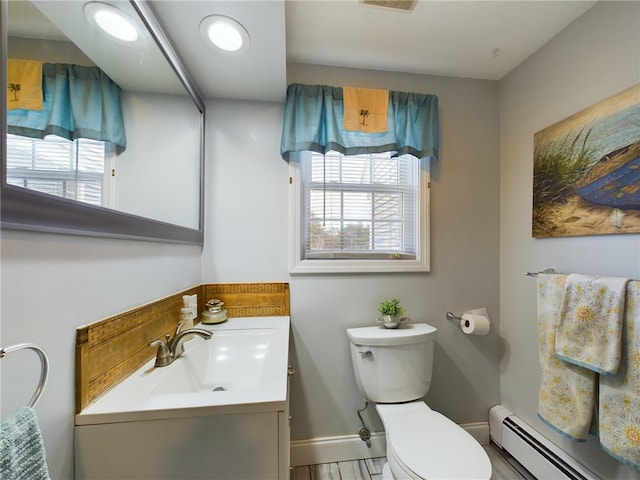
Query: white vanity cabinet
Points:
[239, 446]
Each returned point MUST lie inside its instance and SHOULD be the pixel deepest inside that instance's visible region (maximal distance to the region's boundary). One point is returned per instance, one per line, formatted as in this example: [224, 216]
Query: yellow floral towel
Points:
[566, 398]
[365, 109]
[590, 326]
[620, 394]
[24, 84]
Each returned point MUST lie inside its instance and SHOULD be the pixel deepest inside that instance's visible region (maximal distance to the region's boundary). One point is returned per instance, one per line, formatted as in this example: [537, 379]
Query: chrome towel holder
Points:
[546, 270]
[44, 363]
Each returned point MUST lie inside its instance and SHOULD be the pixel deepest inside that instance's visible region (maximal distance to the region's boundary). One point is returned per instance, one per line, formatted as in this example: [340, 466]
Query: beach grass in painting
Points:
[586, 178]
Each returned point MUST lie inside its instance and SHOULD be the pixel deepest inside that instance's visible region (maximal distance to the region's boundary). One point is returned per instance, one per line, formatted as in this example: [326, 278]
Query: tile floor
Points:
[371, 469]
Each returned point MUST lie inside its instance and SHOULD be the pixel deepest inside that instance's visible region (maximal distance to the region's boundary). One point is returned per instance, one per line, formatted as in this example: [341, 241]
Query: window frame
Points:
[299, 265]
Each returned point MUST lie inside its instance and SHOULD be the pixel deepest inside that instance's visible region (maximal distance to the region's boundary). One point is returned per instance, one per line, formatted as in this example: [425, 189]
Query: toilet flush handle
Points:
[366, 353]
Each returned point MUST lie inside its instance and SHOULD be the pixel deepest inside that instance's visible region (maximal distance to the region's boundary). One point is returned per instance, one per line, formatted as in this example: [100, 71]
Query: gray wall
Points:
[247, 240]
[595, 57]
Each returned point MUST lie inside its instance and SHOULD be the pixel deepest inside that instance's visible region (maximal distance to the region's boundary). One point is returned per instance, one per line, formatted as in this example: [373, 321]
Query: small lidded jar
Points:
[214, 312]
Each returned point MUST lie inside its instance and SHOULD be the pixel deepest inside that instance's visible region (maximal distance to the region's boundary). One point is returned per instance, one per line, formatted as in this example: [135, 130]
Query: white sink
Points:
[243, 367]
[230, 360]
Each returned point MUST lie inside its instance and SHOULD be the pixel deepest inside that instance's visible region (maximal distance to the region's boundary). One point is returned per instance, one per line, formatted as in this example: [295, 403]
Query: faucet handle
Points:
[163, 355]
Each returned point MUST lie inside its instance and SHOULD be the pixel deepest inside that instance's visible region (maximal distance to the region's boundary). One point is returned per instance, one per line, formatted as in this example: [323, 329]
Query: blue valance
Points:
[314, 114]
[79, 102]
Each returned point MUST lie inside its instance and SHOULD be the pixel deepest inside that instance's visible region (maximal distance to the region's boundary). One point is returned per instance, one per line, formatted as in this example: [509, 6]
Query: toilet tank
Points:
[393, 365]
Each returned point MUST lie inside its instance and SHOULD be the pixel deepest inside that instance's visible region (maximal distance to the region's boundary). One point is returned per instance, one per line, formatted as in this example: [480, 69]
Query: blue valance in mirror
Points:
[78, 102]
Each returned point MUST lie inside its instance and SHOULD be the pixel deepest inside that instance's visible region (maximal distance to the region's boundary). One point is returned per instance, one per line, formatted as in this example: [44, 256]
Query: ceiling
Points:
[64, 22]
[470, 39]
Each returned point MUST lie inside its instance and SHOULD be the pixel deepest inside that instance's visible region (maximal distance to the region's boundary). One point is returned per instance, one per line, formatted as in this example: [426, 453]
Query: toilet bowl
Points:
[393, 368]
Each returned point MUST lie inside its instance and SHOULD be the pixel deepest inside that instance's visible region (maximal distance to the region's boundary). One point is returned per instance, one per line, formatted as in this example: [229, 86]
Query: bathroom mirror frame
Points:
[29, 210]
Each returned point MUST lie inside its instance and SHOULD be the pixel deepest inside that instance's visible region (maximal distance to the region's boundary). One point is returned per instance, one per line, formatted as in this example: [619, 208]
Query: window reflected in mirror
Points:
[75, 169]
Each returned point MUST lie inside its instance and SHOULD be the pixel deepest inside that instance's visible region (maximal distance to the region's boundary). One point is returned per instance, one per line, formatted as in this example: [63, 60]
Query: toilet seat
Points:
[424, 444]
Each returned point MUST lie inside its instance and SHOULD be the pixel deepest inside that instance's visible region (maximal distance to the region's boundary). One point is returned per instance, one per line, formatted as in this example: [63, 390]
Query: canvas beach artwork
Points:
[586, 171]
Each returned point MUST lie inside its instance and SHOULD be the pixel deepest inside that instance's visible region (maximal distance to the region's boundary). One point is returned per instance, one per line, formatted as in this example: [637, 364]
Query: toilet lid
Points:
[406, 335]
[429, 445]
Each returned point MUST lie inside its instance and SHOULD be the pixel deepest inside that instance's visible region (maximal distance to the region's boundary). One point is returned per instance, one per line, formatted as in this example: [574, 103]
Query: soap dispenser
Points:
[186, 315]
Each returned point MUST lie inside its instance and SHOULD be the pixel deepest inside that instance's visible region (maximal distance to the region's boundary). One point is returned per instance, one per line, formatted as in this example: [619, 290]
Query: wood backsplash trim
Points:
[251, 299]
[110, 350]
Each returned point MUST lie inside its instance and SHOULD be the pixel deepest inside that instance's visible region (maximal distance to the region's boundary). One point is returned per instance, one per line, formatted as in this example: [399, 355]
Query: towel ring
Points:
[44, 362]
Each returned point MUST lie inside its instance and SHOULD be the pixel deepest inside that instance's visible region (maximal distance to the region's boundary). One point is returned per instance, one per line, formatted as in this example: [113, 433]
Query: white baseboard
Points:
[479, 431]
[336, 449]
[350, 447]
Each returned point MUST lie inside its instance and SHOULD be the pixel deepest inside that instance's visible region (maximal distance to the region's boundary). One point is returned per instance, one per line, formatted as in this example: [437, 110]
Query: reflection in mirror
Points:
[129, 138]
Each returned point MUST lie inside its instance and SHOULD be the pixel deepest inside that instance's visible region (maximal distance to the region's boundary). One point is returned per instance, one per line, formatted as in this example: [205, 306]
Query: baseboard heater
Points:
[536, 454]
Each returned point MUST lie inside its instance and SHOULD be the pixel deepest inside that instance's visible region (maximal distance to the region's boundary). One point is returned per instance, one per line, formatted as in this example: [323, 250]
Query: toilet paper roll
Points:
[473, 324]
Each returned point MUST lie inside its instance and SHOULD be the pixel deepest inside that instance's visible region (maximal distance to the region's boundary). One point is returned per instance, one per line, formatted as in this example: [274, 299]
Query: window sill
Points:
[328, 267]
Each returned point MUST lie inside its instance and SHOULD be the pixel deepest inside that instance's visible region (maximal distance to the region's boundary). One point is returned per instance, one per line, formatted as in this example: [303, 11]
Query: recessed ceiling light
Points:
[224, 33]
[111, 20]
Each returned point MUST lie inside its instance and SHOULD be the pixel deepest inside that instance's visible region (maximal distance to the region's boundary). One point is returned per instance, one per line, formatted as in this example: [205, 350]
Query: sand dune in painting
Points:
[578, 217]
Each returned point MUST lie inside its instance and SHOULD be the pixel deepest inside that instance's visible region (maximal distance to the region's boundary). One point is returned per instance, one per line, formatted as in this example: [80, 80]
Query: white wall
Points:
[246, 194]
[163, 148]
[52, 284]
[595, 57]
[247, 240]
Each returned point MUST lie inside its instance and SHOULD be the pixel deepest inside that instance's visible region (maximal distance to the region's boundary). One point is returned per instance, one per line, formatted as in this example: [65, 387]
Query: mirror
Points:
[151, 188]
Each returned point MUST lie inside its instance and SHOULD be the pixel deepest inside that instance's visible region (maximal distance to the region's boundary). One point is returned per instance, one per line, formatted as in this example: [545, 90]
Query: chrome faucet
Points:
[171, 348]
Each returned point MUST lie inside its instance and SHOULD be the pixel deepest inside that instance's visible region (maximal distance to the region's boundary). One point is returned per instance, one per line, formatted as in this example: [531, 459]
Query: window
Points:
[71, 169]
[359, 213]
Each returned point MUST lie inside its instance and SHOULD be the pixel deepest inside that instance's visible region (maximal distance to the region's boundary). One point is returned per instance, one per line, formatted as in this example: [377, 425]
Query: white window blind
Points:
[360, 206]
[359, 213]
[72, 169]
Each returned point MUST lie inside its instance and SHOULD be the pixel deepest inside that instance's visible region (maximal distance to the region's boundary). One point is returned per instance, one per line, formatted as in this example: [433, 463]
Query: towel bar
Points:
[44, 361]
[535, 274]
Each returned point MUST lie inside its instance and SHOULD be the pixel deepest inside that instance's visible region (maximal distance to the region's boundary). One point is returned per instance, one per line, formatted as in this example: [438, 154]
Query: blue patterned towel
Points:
[566, 400]
[619, 413]
[22, 455]
[590, 325]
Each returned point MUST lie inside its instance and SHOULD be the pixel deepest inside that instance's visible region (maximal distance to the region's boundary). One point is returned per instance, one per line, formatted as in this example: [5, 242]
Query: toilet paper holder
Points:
[472, 322]
[455, 318]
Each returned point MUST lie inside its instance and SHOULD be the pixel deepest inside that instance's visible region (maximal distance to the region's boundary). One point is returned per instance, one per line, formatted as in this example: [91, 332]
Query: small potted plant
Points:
[391, 312]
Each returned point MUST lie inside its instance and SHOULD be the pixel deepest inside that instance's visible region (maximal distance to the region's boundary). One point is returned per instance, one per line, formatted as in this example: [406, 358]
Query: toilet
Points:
[393, 369]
